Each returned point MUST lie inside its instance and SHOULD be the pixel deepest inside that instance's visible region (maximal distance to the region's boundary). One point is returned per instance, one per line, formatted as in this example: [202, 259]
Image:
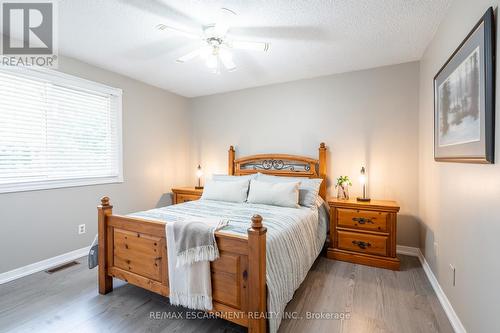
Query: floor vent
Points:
[61, 267]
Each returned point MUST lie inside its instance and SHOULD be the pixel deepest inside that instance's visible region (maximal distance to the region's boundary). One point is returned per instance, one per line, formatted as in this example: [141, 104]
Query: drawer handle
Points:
[362, 220]
[361, 244]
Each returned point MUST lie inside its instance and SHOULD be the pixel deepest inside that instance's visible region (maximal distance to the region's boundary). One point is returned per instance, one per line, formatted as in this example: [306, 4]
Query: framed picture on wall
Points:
[464, 99]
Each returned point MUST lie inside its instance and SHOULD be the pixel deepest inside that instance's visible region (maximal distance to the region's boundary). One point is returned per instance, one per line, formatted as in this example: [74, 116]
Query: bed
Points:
[245, 284]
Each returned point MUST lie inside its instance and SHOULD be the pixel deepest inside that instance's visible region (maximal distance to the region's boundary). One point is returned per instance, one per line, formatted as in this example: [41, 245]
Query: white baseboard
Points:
[43, 265]
[408, 250]
[445, 303]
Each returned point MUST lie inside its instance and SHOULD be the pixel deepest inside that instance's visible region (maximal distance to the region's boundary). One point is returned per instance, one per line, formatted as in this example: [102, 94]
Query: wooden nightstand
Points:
[183, 194]
[364, 232]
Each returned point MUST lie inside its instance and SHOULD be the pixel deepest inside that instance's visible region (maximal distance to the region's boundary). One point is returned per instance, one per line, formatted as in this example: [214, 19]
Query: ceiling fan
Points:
[216, 46]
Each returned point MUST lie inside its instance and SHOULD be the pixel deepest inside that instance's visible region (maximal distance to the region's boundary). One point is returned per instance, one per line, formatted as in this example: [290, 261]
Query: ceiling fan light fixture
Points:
[205, 52]
[226, 57]
[212, 61]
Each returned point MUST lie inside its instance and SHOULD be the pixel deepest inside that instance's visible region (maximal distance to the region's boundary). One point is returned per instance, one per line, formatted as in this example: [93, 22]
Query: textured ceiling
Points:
[308, 38]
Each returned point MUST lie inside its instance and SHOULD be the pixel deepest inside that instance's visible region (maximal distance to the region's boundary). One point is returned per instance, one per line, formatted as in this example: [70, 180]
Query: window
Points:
[57, 130]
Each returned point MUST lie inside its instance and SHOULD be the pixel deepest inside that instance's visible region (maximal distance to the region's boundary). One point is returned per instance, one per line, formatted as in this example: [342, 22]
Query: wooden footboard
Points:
[134, 250]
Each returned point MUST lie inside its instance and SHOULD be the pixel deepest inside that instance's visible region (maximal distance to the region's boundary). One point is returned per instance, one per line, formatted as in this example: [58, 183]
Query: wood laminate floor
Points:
[370, 299]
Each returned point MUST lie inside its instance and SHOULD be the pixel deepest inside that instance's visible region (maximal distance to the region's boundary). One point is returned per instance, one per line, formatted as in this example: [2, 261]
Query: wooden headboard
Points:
[281, 165]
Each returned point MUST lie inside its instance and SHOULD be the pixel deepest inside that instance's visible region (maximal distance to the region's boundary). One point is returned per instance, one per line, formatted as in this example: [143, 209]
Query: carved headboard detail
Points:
[281, 165]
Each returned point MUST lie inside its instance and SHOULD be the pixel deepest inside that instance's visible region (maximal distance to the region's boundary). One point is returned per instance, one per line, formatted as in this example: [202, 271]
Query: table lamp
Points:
[362, 180]
[199, 174]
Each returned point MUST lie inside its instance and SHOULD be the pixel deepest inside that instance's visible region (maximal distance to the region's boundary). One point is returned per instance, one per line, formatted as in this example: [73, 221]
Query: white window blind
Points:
[57, 130]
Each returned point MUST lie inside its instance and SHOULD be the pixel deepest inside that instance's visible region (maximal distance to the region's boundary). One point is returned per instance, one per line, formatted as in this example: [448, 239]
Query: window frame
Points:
[78, 83]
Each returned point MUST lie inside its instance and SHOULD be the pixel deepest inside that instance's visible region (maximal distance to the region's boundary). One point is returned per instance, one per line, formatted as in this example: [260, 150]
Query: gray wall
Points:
[367, 118]
[37, 225]
[459, 203]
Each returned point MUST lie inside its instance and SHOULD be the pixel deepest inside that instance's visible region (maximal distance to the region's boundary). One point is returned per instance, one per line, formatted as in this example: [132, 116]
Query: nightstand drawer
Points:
[362, 219]
[360, 242]
[186, 197]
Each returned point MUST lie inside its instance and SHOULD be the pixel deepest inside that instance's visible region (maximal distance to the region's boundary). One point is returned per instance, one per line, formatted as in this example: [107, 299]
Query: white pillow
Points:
[220, 190]
[308, 189]
[278, 194]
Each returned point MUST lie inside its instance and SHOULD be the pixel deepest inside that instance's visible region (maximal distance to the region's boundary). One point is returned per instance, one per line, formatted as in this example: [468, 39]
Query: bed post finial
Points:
[105, 201]
[322, 169]
[230, 161]
[256, 221]
[257, 275]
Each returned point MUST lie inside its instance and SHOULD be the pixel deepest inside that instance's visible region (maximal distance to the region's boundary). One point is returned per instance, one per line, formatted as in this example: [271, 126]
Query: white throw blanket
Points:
[189, 269]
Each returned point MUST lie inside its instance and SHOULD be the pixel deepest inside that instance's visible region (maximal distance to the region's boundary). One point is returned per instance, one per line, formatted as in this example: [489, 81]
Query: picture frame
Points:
[464, 99]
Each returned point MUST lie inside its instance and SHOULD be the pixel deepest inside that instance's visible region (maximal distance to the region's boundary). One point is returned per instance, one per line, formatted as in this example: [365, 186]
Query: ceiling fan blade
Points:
[184, 33]
[227, 60]
[224, 20]
[220, 29]
[188, 56]
[246, 45]
[284, 32]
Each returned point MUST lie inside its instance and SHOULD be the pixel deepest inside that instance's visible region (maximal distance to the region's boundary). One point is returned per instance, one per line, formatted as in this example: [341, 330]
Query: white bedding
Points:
[295, 237]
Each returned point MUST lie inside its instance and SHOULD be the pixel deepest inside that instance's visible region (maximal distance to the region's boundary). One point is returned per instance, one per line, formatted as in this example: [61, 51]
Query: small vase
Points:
[343, 192]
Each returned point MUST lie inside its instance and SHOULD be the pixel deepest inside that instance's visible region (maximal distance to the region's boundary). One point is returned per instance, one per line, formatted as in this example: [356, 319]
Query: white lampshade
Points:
[362, 176]
[212, 61]
[199, 172]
